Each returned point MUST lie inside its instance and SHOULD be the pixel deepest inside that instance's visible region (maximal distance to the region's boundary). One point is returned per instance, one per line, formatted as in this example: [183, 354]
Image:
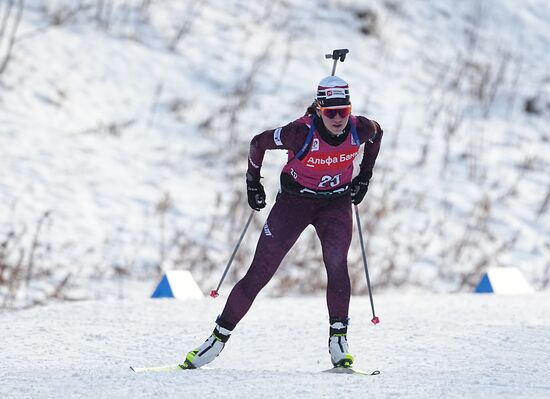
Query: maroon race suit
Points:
[315, 189]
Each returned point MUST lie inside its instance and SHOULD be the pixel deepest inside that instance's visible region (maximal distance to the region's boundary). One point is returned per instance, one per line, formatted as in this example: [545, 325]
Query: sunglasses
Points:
[331, 112]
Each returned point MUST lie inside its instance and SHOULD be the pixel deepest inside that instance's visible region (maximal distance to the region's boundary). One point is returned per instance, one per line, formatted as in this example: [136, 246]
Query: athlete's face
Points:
[335, 120]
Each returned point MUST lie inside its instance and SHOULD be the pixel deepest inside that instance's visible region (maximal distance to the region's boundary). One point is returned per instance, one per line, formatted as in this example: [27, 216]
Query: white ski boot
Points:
[208, 351]
[338, 344]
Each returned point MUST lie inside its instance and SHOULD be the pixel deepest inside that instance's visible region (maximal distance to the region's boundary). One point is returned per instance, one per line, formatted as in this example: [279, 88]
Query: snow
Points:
[123, 139]
[463, 345]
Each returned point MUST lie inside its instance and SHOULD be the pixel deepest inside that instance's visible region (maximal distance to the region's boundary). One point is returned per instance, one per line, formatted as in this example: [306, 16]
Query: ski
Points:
[170, 367]
[350, 370]
[177, 367]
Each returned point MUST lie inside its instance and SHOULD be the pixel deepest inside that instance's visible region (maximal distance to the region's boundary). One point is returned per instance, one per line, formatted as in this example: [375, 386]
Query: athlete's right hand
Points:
[256, 194]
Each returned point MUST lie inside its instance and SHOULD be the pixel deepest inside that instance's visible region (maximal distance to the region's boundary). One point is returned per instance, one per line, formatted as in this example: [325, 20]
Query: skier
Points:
[316, 188]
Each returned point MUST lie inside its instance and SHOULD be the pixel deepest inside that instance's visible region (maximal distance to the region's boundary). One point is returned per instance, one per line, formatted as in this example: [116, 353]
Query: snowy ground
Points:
[465, 345]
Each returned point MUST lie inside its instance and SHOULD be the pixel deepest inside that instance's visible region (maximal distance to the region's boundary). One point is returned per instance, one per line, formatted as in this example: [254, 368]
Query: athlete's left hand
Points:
[359, 188]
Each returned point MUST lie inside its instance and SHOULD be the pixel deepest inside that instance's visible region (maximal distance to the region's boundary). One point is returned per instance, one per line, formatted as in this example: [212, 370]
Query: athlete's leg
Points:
[288, 218]
[334, 224]
[334, 228]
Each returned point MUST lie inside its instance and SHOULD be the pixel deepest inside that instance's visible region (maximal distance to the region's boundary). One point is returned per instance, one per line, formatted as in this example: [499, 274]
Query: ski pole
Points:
[338, 54]
[214, 293]
[375, 319]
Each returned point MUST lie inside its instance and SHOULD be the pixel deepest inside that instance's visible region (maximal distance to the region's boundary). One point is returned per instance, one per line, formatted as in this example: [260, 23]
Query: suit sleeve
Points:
[290, 137]
[370, 134]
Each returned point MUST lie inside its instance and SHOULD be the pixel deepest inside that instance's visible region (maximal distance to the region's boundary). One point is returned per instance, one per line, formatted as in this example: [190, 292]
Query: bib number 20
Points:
[331, 181]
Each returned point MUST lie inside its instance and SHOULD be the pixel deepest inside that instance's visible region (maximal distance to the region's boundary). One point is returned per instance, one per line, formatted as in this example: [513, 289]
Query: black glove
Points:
[256, 194]
[359, 187]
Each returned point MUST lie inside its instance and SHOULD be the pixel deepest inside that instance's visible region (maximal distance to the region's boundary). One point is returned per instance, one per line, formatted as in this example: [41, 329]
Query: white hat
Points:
[333, 91]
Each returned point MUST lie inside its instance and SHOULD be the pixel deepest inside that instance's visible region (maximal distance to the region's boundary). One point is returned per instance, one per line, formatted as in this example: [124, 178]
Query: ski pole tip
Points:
[375, 320]
[214, 294]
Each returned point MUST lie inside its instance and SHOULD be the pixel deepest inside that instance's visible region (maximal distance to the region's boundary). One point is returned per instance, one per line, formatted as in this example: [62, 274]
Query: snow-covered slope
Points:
[124, 127]
[434, 346]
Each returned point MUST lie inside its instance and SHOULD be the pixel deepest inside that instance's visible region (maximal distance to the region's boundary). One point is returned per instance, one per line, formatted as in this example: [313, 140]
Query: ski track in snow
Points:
[465, 345]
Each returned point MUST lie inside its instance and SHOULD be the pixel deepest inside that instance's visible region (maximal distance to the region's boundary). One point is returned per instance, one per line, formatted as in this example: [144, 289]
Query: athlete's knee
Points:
[338, 275]
[254, 281]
